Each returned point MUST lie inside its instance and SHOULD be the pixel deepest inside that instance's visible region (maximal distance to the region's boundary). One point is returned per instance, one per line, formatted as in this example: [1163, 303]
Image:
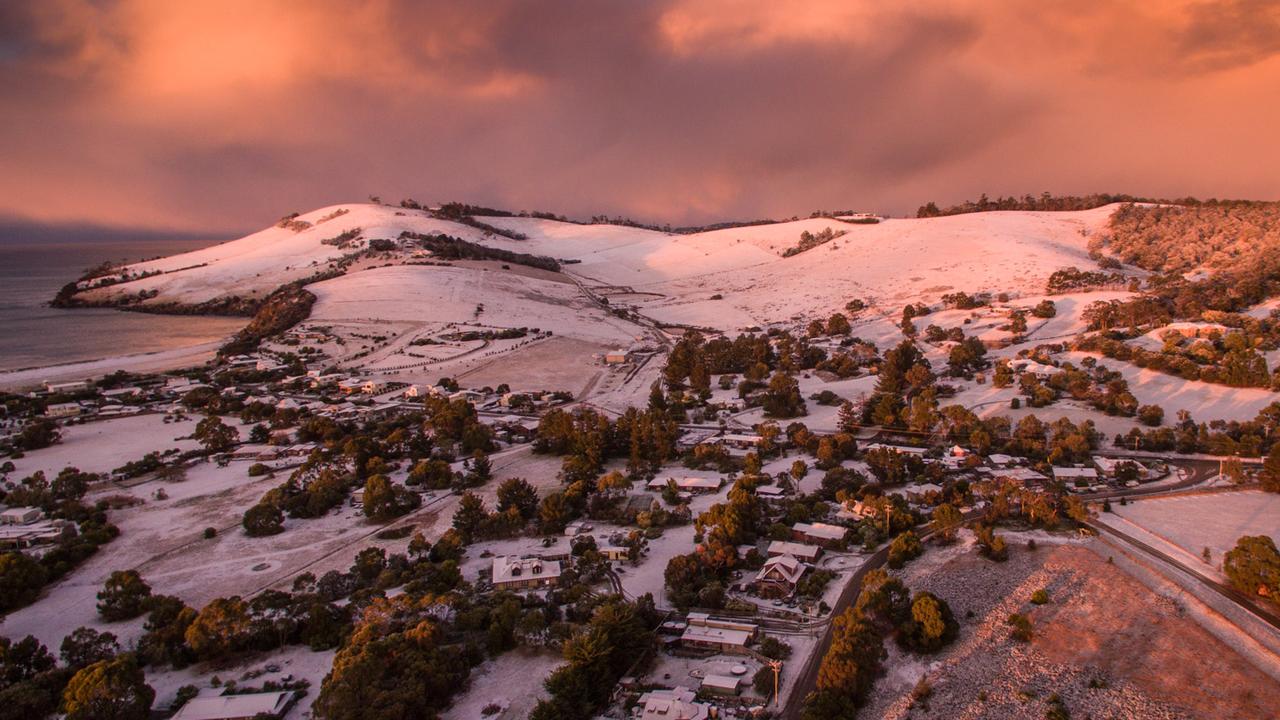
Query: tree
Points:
[1269, 476]
[21, 579]
[1151, 415]
[113, 689]
[480, 470]
[782, 398]
[1253, 566]
[263, 519]
[215, 435]
[847, 670]
[220, 628]
[470, 516]
[384, 500]
[259, 434]
[124, 596]
[946, 521]
[904, 548]
[931, 626]
[517, 493]
[86, 646]
[38, 434]
[838, 324]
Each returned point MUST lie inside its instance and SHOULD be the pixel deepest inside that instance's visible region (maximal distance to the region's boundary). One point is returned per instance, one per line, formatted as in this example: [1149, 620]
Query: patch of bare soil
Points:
[1106, 645]
[559, 363]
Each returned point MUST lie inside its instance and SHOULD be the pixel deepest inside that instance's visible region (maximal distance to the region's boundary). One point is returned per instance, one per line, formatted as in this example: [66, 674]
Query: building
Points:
[779, 575]
[823, 534]
[771, 493]
[721, 684]
[43, 532]
[511, 573]
[62, 410]
[725, 636]
[373, 387]
[411, 391]
[1075, 476]
[807, 553]
[614, 552]
[66, 387]
[688, 484]
[615, 357]
[1023, 476]
[739, 441]
[237, 707]
[675, 704]
[20, 516]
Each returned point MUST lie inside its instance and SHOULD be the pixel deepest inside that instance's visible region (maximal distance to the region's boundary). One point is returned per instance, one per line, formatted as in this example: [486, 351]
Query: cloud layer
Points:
[222, 115]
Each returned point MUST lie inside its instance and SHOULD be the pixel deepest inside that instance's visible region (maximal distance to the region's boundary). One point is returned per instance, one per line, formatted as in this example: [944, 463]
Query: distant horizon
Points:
[15, 230]
[213, 117]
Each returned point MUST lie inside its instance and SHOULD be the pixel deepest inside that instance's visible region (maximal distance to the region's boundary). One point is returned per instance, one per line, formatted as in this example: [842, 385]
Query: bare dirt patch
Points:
[1104, 643]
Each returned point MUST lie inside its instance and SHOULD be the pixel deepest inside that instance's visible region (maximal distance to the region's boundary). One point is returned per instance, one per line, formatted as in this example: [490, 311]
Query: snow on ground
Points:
[1215, 521]
[105, 445]
[1205, 401]
[253, 671]
[512, 681]
[416, 293]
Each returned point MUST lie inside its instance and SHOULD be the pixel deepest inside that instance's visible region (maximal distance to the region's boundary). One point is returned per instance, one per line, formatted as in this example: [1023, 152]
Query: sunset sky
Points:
[218, 117]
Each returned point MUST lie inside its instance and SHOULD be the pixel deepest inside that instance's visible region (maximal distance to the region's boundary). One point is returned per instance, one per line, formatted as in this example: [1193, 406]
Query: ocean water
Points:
[33, 334]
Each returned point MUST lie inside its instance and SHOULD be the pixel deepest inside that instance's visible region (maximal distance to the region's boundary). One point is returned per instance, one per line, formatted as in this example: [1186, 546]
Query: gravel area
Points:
[1143, 656]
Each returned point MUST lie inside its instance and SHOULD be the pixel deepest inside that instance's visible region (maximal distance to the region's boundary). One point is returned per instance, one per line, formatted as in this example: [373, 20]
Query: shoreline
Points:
[151, 361]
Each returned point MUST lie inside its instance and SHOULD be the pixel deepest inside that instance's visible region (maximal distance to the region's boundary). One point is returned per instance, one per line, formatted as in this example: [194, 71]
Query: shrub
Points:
[210, 533]
[1040, 597]
[1021, 627]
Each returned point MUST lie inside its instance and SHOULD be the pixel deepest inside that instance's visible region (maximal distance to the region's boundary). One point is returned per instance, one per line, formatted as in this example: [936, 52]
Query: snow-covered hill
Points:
[724, 278]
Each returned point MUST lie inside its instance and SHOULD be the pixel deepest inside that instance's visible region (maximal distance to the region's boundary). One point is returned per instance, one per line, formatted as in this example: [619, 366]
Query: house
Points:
[615, 357]
[348, 387]
[1075, 476]
[373, 387]
[1110, 466]
[614, 552]
[771, 493]
[1001, 461]
[62, 410]
[411, 392]
[66, 387]
[725, 636]
[676, 704]
[511, 573]
[44, 532]
[577, 527]
[1023, 476]
[721, 684]
[20, 516]
[739, 441]
[237, 707]
[1040, 370]
[807, 553]
[688, 484]
[779, 575]
[823, 534]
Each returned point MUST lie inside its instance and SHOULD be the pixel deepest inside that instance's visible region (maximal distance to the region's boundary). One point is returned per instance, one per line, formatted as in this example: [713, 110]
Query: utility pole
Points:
[777, 667]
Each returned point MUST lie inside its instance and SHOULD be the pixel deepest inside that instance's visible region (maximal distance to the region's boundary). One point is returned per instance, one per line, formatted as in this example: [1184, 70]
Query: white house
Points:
[236, 707]
[62, 410]
[823, 534]
[66, 387]
[20, 516]
[1072, 475]
[512, 573]
[679, 703]
[807, 553]
[688, 484]
[727, 636]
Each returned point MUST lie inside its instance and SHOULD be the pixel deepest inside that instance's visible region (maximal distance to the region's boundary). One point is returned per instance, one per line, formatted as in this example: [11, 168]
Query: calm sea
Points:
[33, 334]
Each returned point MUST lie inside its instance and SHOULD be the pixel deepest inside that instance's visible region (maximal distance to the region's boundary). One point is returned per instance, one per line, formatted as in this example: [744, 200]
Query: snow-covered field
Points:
[1213, 521]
